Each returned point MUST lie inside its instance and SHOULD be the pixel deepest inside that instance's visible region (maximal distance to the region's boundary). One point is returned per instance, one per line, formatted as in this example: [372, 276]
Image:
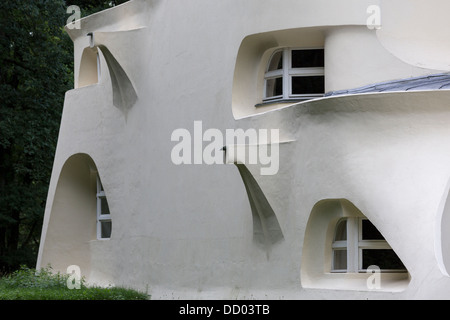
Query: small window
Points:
[296, 74]
[358, 244]
[104, 225]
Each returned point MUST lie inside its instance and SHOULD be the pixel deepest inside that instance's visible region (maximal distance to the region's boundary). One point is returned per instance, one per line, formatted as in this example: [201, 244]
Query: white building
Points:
[357, 173]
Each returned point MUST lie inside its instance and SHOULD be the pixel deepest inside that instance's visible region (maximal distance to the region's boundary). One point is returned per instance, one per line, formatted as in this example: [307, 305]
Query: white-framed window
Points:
[104, 224]
[357, 244]
[295, 74]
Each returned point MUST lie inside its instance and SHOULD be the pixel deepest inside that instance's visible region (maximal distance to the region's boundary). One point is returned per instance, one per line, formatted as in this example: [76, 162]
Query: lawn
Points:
[30, 284]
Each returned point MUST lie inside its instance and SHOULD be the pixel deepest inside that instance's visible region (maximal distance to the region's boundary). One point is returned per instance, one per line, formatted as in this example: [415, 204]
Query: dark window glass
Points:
[383, 258]
[274, 87]
[307, 58]
[340, 259]
[277, 61]
[308, 85]
[105, 207]
[369, 232]
[106, 227]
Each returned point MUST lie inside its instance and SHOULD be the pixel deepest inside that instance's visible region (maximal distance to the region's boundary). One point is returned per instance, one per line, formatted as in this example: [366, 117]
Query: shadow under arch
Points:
[88, 73]
[316, 260]
[124, 92]
[251, 62]
[72, 221]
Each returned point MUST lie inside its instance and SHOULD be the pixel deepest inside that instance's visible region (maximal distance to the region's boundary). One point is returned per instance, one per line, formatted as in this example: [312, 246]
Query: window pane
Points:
[106, 227]
[369, 232]
[274, 87]
[383, 258]
[340, 259]
[307, 58]
[341, 231]
[308, 85]
[105, 207]
[276, 62]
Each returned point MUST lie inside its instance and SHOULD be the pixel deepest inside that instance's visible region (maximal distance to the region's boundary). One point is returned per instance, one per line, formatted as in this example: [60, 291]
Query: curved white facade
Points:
[225, 230]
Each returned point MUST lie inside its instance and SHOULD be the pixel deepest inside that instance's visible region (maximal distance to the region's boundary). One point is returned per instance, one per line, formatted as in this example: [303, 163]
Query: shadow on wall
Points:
[266, 229]
[124, 93]
[72, 221]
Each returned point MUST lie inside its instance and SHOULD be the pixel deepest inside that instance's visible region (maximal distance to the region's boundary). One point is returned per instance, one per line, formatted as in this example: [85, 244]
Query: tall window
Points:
[104, 224]
[358, 244]
[295, 74]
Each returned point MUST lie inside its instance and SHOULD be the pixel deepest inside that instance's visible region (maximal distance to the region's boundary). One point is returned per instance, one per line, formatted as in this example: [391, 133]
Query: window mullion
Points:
[341, 244]
[374, 244]
[286, 78]
[99, 207]
[101, 194]
[307, 71]
[274, 74]
[352, 242]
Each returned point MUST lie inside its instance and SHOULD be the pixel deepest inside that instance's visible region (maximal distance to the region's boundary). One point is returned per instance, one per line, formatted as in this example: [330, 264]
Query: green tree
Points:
[91, 6]
[36, 69]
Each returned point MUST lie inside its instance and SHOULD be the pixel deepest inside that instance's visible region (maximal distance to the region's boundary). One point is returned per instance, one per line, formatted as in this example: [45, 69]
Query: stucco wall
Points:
[186, 231]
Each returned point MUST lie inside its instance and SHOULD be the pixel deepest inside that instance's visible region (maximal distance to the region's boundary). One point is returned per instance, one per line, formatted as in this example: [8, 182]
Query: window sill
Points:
[388, 282]
[365, 271]
[279, 101]
[100, 240]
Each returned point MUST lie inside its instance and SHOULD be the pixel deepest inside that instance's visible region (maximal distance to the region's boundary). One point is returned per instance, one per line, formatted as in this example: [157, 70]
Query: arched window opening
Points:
[352, 248]
[358, 244]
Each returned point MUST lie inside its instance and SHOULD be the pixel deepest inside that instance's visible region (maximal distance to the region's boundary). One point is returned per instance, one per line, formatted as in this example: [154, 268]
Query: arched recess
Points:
[89, 67]
[252, 59]
[124, 93]
[318, 251]
[73, 217]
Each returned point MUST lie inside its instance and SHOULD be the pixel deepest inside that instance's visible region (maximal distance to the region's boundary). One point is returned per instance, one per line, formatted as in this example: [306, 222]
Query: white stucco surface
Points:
[187, 231]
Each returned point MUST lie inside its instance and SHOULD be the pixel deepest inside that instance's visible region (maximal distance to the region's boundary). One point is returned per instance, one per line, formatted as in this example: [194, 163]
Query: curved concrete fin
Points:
[266, 229]
[124, 94]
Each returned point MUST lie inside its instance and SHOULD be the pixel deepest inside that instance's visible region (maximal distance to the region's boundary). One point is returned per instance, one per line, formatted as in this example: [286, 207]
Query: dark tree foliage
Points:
[36, 69]
[90, 6]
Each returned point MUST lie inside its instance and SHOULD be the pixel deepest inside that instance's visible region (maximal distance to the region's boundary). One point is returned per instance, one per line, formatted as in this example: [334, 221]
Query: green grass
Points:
[29, 284]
